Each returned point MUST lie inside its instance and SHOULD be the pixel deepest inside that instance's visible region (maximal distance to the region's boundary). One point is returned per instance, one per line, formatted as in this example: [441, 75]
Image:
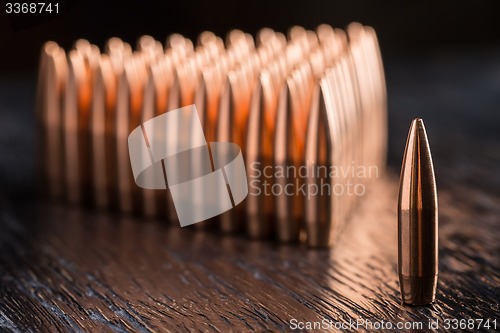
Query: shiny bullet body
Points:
[417, 220]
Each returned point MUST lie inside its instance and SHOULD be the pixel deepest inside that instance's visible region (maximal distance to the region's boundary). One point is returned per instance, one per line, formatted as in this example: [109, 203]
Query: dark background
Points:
[403, 27]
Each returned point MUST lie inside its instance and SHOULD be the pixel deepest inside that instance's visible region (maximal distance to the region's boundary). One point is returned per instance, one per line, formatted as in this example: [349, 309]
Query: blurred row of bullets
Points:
[311, 98]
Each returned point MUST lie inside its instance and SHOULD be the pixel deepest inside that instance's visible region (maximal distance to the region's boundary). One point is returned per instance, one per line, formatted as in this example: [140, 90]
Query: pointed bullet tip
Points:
[418, 121]
[417, 126]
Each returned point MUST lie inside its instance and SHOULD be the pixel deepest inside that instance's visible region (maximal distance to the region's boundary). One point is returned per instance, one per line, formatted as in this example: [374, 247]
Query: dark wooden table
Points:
[66, 268]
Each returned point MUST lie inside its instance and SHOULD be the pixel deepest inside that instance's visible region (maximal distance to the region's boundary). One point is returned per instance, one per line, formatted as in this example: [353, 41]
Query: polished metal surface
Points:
[417, 220]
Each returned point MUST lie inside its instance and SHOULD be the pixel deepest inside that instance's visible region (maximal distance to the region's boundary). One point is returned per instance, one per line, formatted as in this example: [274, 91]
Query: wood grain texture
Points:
[66, 269]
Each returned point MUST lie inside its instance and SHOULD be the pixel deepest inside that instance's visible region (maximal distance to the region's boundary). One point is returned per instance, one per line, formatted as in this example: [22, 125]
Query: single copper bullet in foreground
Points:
[417, 220]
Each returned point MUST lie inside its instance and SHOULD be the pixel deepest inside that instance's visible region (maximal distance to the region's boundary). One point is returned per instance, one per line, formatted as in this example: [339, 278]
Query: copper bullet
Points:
[51, 90]
[417, 220]
[232, 116]
[381, 94]
[77, 105]
[260, 133]
[321, 151]
[156, 95]
[315, 99]
[150, 205]
[100, 127]
[129, 100]
[289, 141]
